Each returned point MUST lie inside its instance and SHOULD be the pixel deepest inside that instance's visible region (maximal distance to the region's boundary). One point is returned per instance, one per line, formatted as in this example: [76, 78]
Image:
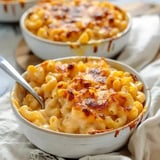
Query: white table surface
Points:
[10, 35]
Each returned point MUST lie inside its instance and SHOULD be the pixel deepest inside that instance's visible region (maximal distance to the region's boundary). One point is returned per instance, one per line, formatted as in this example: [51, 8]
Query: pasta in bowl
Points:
[73, 28]
[92, 105]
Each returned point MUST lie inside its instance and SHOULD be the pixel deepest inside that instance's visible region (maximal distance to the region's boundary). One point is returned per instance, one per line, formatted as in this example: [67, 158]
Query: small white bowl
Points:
[78, 145]
[47, 49]
[11, 11]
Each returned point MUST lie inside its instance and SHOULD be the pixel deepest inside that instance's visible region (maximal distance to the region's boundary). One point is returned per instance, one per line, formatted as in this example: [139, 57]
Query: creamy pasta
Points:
[82, 97]
[80, 21]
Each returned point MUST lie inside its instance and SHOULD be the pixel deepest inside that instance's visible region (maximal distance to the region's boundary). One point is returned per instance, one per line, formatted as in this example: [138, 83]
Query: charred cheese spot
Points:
[81, 22]
[82, 100]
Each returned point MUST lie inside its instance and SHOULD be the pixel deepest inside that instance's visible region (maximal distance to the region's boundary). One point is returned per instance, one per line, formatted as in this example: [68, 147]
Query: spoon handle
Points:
[8, 68]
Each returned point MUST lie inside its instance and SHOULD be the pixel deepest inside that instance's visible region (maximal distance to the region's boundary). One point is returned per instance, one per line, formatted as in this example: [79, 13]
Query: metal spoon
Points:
[8, 68]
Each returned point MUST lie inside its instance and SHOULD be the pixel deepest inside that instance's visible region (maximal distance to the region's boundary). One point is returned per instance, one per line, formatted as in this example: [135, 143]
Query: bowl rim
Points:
[15, 2]
[121, 34]
[112, 63]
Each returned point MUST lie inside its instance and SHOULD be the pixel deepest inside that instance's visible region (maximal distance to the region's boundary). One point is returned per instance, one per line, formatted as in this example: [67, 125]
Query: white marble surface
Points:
[9, 38]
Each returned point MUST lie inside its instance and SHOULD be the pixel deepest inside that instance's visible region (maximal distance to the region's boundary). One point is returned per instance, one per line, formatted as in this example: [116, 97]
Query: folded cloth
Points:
[154, 70]
[143, 43]
[144, 144]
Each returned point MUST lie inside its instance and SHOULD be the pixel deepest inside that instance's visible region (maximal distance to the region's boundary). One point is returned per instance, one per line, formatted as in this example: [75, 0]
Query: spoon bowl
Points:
[8, 68]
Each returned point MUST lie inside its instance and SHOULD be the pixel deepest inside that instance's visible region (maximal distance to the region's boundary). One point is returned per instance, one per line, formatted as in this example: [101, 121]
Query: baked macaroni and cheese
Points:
[80, 21]
[84, 96]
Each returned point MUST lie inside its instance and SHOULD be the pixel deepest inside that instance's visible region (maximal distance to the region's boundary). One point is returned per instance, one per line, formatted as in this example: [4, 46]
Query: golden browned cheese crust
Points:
[80, 21]
[82, 97]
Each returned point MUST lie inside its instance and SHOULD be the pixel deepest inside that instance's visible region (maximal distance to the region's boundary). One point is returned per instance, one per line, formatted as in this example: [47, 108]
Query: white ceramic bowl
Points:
[46, 49]
[78, 145]
[11, 11]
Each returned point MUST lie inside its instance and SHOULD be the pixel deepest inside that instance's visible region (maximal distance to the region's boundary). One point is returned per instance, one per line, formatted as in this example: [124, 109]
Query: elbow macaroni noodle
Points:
[82, 97]
[80, 21]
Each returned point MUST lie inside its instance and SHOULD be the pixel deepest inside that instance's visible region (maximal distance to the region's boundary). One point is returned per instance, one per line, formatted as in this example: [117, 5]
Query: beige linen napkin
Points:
[143, 43]
[144, 144]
